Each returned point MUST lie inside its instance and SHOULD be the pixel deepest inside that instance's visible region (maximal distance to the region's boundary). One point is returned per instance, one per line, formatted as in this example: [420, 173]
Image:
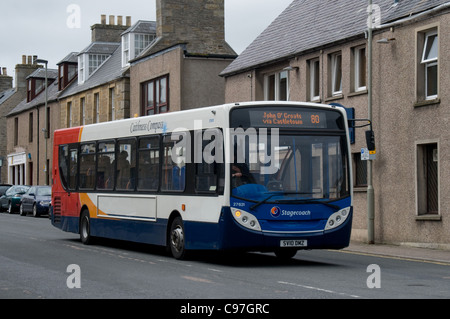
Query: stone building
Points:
[9, 99]
[29, 143]
[101, 89]
[319, 52]
[180, 68]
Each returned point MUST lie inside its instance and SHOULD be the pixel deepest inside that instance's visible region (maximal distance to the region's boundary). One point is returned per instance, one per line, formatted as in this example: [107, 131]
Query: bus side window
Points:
[105, 165]
[126, 164]
[209, 171]
[63, 164]
[73, 167]
[173, 169]
[87, 166]
[148, 158]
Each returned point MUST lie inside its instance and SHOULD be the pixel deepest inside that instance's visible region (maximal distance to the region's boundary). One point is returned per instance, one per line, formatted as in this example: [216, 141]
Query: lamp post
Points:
[370, 190]
[46, 115]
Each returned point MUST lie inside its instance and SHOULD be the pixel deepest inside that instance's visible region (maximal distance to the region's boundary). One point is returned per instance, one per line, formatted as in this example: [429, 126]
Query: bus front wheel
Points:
[176, 239]
[85, 228]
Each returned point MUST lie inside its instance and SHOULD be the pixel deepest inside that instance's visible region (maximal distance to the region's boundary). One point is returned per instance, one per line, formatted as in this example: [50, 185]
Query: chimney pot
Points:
[111, 19]
[103, 19]
[128, 21]
[119, 20]
[24, 59]
[30, 61]
[4, 71]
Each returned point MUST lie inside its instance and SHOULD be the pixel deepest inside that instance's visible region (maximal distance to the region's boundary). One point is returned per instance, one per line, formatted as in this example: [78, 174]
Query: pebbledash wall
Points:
[412, 166]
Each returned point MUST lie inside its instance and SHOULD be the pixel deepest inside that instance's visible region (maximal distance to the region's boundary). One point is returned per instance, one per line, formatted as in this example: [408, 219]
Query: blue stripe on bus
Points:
[225, 235]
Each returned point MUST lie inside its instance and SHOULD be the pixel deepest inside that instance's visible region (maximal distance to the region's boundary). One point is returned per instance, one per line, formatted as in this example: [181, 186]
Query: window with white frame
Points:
[125, 49]
[336, 73]
[429, 62]
[360, 67]
[141, 41]
[314, 79]
[276, 86]
[95, 60]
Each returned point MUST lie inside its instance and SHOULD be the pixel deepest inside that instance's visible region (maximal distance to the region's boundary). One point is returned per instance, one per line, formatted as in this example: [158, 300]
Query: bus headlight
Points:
[338, 218]
[246, 219]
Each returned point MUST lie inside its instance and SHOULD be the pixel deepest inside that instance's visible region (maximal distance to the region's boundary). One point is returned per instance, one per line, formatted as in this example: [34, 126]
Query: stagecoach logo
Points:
[149, 126]
[275, 212]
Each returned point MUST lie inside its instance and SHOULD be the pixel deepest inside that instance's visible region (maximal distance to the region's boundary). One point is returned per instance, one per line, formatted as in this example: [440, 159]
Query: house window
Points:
[16, 131]
[69, 114]
[30, 127]
[81, 76]
[96, 114]
[276, 86]
[429, 64]
[155, 96]
[360, 171]
[359, 69]
[95, 60]
[67, 73]
[427, 179]
[336, 74]
[82, 111]
[141, 41]
[112, 105]
[314, 80]
[125, 49]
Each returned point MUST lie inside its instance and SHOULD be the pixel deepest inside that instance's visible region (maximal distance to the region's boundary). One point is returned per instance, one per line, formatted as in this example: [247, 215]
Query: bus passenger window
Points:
[87, 166]
[126, 165]
[105, 165]
[148, 158]
[63, 164]
[173, 169]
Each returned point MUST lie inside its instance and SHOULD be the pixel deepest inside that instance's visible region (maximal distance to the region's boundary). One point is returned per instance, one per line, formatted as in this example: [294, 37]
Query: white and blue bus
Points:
[258, 176]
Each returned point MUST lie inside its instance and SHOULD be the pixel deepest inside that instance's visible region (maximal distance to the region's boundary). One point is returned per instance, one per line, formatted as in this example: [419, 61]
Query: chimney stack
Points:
[23, 71]
[199, 23]
[109, 32]
[5, 80]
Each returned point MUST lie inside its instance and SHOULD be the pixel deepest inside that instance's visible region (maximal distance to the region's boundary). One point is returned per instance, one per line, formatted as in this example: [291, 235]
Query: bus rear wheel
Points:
[85, 228]
[176, 239]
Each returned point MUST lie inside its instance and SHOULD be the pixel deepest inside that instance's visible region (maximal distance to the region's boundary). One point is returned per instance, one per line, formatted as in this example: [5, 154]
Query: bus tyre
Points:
[176, 239]
[85, 228]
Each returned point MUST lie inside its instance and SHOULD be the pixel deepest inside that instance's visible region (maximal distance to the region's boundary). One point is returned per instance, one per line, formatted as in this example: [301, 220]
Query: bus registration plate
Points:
[294, 243]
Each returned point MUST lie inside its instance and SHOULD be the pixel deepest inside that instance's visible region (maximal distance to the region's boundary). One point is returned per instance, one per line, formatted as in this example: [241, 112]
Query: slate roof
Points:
[23, 106]
[147, 27]
[306, 25]
[40, 73]
[70, 58]
[109, 71]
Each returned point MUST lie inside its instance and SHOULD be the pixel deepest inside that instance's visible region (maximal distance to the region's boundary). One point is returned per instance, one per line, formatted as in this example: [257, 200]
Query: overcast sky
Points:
[47, 28]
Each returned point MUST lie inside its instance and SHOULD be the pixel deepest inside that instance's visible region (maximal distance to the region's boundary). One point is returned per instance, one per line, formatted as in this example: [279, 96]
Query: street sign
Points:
[367, 155]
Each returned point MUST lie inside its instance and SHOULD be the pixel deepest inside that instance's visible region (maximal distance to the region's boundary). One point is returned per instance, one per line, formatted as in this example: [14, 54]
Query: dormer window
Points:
[136, 39]
[35, 87]
[67, 70]
[90, 59]
[67, 73]
[36, 82]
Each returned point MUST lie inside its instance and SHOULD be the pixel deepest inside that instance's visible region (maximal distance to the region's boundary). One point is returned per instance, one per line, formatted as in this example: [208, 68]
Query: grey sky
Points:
[29, 27]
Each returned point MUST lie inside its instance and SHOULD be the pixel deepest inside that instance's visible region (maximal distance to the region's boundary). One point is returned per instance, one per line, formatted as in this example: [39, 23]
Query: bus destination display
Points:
[288, 118]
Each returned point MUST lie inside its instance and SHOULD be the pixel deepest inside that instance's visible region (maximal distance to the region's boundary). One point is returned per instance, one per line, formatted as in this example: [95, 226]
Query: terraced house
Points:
[319, 51]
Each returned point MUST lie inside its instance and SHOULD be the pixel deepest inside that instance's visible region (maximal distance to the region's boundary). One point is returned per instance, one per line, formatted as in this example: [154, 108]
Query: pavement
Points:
[403, 251]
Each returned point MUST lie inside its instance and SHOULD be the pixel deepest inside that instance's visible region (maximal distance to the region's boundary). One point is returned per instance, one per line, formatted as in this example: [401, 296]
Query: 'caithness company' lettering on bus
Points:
[150, 126]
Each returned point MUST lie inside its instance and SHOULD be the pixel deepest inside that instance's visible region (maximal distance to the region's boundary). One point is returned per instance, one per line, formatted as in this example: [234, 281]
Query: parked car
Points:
[12, 198]
[4, 188]
[36, 200]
